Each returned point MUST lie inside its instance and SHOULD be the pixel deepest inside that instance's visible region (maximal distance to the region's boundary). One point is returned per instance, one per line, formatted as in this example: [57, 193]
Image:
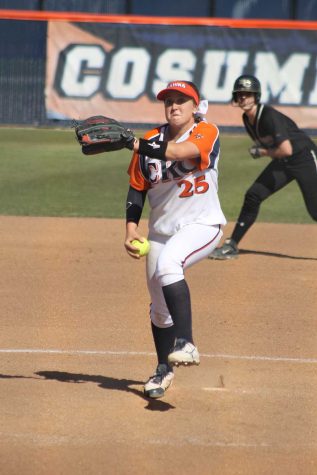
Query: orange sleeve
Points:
[137, 179]
[206, 137]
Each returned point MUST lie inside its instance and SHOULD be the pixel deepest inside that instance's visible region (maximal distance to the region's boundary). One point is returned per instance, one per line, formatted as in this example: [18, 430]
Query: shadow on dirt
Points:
[103, 382]
[275, 254]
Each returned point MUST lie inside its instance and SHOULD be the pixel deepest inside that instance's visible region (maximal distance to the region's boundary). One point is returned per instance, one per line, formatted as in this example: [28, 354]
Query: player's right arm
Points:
[134, 207]
[282, 150]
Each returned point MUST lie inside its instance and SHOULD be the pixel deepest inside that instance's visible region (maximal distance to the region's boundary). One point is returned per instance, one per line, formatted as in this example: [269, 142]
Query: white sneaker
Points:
[157, 384]
[183, 353]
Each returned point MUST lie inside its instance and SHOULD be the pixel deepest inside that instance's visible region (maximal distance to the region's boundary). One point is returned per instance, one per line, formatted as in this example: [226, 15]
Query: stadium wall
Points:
[59, 66]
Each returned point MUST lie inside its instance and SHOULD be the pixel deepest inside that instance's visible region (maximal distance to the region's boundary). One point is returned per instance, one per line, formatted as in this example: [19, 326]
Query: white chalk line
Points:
[280, 359]
[74, 440]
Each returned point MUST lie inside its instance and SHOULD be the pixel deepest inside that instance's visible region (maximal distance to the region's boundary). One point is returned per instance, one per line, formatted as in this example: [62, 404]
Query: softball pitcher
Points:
[175, 166]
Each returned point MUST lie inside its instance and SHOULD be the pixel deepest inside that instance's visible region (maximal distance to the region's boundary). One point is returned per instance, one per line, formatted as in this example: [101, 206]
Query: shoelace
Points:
[157, 378]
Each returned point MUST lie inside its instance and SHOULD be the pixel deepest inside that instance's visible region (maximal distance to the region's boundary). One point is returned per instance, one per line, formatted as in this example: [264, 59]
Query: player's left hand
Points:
[99, 134]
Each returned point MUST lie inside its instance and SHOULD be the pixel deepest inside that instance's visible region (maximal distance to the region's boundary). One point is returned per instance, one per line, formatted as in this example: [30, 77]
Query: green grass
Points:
[44, 173]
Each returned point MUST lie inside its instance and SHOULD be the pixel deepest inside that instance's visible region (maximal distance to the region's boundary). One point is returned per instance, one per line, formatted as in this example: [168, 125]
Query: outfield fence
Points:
[56, 66]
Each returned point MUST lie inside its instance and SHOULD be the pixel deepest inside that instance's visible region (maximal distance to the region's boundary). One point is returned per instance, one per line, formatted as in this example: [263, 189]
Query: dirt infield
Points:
[76, 348]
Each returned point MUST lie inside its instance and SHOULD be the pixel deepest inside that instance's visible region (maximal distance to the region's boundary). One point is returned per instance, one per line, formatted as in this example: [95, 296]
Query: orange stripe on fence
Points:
[137, 19]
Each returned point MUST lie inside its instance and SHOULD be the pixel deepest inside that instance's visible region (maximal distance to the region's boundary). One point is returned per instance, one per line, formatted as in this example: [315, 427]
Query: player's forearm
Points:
[131, 228]
[182, 151]
[284, 150]
[167, 150]
[134, 205]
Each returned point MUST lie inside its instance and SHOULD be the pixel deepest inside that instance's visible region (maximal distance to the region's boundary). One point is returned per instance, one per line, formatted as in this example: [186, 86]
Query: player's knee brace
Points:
[252, 202]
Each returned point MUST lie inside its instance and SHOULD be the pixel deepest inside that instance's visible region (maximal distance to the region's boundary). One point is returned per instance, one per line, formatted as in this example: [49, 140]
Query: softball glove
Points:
[99, 134]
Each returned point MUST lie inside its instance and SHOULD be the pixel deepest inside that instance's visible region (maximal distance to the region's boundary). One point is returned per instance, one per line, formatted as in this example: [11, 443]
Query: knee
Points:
[252, 199]
[168, 271]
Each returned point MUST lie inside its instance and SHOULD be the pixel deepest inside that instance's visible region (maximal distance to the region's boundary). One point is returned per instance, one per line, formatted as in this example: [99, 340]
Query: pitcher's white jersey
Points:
[181, 192]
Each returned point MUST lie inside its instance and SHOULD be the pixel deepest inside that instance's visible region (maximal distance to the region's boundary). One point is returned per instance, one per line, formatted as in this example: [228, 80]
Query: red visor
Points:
[179, 86]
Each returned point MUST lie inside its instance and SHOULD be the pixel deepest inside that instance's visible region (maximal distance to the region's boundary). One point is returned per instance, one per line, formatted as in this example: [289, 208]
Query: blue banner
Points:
[119, 68]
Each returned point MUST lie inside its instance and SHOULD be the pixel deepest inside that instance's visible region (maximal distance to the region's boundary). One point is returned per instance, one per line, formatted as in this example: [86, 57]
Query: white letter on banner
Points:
[76, 79]
[128, 73]
[284, 81]
[174, 64]
[312, 100]
[214, 62]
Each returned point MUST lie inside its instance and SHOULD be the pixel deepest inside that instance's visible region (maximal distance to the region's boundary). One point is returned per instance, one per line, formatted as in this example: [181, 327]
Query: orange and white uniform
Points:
[185, 214]
[181, 193]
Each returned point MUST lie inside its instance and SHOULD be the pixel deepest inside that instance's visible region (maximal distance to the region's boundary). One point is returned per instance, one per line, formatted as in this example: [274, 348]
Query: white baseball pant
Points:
[169, 256]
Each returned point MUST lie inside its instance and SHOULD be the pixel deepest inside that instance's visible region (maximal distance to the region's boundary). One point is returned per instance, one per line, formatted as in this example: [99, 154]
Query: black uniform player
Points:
[293, 153]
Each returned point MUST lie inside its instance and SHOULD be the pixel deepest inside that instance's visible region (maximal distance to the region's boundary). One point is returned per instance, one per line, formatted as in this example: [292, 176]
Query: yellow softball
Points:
[143, 247]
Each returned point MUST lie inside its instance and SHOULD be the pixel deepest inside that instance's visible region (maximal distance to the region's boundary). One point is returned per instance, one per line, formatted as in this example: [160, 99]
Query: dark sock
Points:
[177, 298]
[239, 231]
[164, 339]
[247, 217]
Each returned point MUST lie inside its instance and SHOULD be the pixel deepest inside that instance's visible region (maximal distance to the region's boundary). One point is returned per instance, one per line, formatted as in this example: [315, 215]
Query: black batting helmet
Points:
[247, 83]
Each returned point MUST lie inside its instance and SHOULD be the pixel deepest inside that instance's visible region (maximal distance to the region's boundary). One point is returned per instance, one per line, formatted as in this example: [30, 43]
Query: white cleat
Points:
[161, 380]
[183, 353]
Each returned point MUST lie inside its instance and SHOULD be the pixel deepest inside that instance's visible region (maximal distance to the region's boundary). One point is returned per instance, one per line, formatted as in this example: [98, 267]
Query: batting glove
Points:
[255, 151]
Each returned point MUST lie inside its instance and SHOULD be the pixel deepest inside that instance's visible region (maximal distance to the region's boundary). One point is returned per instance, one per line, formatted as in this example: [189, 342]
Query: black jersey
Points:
[271, 128]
